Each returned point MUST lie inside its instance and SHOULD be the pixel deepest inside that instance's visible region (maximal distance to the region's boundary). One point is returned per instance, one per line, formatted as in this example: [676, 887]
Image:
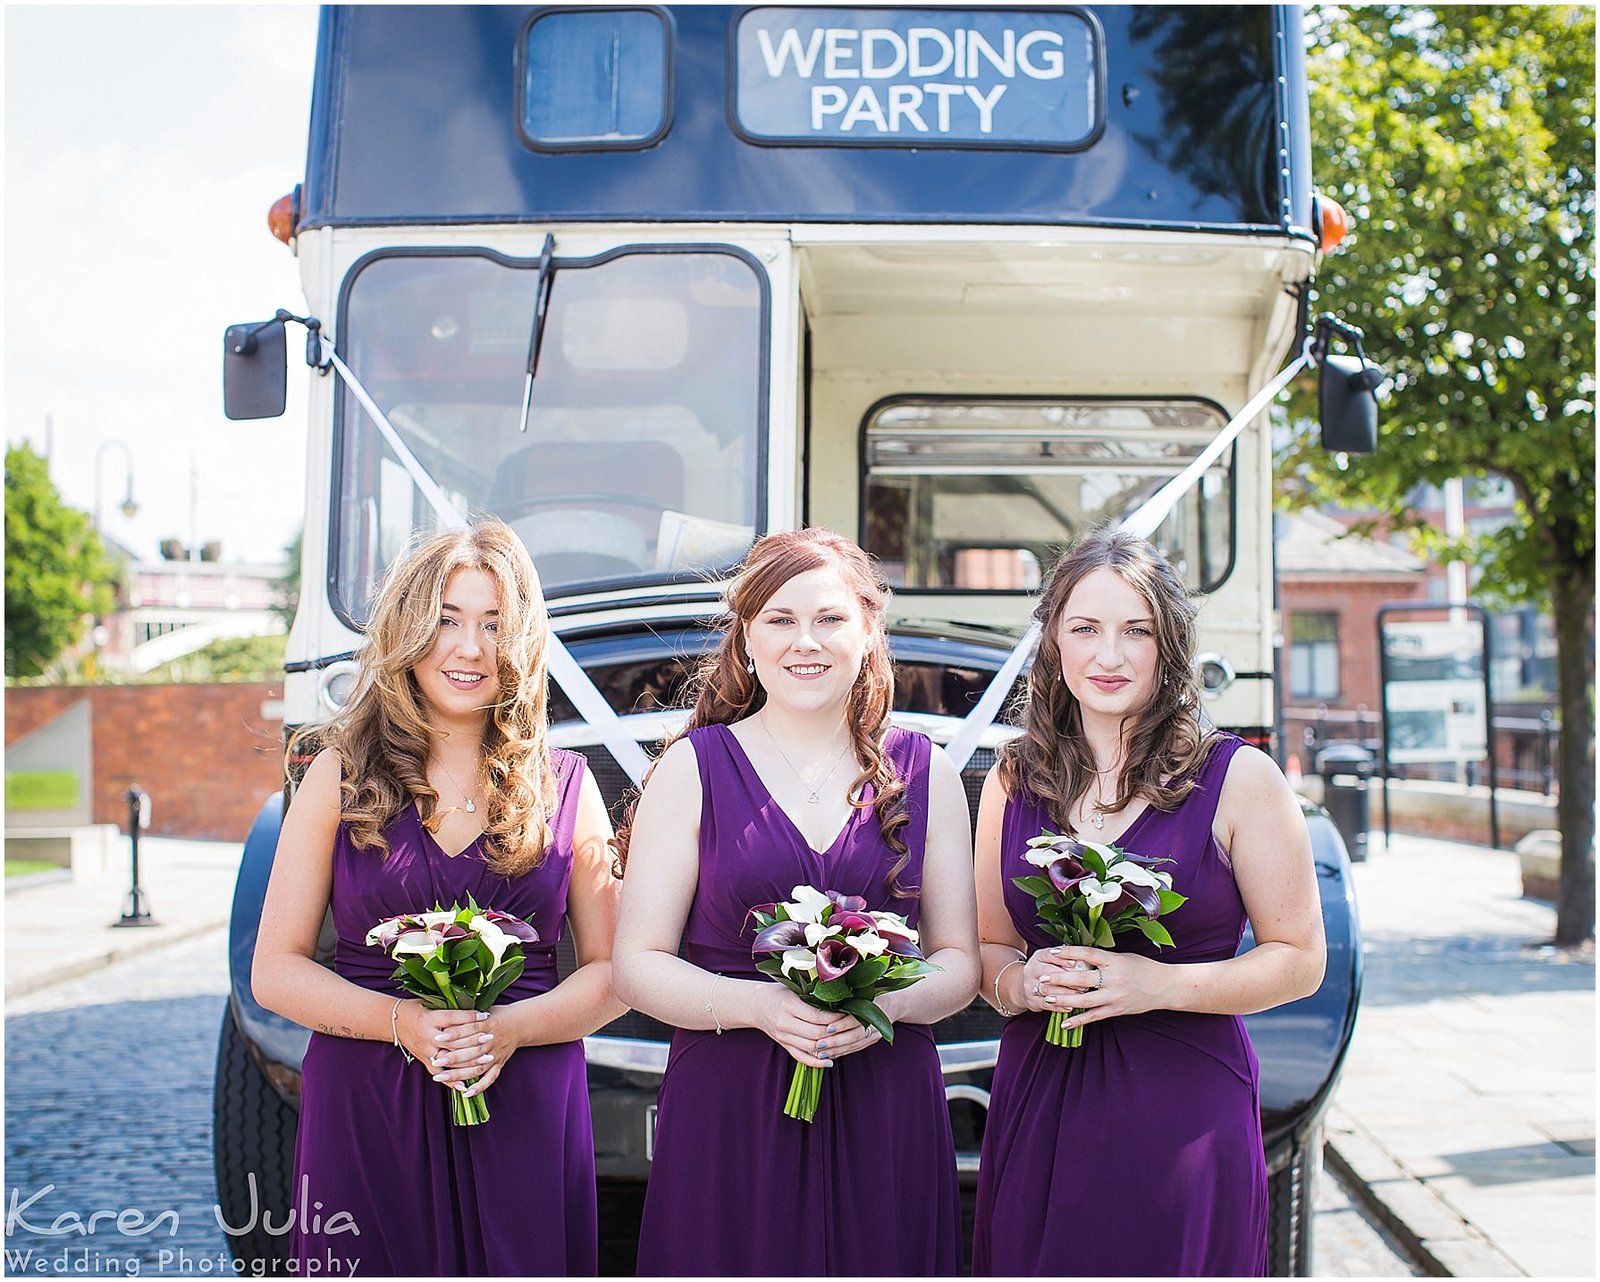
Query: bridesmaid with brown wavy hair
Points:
[789, 774]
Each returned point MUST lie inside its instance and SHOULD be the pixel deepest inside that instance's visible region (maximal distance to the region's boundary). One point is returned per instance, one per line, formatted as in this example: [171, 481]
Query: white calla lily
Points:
[1136, 874]
[1098, 892]
[897, 925]
[1041, 856]
[808, 904]
[1107, 853]
[867, 942]
[802, 959]
[417, 942]
[496, 939]
[816, 932]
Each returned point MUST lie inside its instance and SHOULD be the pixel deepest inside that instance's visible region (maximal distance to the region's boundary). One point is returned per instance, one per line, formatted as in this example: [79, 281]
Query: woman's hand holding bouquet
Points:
[1090, 893]
[456, 959]
[838, 957]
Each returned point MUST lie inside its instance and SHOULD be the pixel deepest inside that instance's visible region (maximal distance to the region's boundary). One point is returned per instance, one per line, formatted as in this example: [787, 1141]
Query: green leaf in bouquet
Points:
[1171, 899]
[1154, 931]
[417, 969]
[1092, 860]
[869, 1014]
[1034, 885]
[501, 978]
[868, 971]
[833, 990]
[1103, 938]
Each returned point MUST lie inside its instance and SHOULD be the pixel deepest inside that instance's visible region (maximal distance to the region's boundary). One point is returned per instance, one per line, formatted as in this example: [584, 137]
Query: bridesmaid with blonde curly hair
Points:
[436, 782]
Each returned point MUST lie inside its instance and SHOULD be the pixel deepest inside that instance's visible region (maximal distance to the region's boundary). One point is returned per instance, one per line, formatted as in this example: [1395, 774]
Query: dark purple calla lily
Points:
[848, 903]
[834, 957]
[452, 931]
[1145, 896]
[845, 920]
[765, 910]
[514, 926]
[1065, 874]
[779, 936]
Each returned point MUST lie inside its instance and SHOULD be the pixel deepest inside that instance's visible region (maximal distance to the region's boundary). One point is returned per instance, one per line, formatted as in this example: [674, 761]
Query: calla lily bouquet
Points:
[456, 959]
[838, 957]
[1090, 893]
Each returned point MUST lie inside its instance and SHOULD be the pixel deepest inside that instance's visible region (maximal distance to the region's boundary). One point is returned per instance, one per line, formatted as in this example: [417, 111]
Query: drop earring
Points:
[750, 666]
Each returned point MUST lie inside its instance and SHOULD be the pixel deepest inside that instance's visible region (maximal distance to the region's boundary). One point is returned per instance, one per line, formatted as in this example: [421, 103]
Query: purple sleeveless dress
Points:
[738, 1189]
[515, 1195]
[1150, 1132]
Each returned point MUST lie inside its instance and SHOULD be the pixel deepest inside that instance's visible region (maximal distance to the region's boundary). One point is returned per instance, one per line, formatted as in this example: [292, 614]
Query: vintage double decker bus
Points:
[648, 282]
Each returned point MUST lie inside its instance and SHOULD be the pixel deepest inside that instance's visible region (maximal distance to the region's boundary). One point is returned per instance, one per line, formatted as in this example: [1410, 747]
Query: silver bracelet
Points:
[394, 1031]
[711, 1004]
[999, 1003]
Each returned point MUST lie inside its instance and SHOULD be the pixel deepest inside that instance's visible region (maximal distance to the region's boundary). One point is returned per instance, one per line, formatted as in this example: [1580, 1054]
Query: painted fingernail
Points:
[486, 1059]
[438, 1077]
[483, 1014]
[485, 1038]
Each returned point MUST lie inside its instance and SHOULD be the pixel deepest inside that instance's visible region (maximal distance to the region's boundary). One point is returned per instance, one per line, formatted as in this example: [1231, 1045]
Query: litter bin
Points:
[1345, 768]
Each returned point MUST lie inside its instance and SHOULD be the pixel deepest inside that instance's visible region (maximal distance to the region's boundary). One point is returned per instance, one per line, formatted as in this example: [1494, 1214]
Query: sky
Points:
[144, 145]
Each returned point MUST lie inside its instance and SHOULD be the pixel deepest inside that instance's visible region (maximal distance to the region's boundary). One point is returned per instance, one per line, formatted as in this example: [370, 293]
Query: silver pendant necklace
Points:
[813, 795]
[472, 806]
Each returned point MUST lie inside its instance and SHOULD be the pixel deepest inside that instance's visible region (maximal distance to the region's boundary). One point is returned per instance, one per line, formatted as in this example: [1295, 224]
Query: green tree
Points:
[226, 659]
[1461, 140]
[56, 571]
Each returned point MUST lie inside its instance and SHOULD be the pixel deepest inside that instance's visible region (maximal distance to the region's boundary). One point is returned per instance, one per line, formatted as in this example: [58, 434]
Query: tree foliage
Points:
[1461, 140]
[56, 571]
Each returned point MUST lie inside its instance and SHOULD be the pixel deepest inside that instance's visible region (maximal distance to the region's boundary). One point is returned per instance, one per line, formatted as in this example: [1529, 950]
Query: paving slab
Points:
[1465, 1118]
[64, 928]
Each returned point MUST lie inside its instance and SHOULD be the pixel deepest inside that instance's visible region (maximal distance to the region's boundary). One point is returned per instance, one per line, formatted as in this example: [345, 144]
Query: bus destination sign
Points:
[918, 77]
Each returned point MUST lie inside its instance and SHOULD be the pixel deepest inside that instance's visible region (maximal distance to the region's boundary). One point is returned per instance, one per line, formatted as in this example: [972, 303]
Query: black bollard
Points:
[137, 914]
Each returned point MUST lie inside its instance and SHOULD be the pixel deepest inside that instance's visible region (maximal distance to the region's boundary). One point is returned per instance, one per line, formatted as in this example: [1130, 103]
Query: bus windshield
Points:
[641, 458]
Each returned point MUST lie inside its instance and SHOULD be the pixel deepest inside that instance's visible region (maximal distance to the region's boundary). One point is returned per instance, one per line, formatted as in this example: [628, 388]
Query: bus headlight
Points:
[1216, 674]
[335, 684]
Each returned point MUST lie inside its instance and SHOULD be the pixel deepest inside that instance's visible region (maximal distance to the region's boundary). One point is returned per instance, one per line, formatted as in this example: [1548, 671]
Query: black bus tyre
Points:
[253, 1134]
[1291, 1198]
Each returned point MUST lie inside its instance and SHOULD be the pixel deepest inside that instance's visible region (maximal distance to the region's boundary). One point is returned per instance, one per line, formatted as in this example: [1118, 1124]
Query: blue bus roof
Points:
[418, 116]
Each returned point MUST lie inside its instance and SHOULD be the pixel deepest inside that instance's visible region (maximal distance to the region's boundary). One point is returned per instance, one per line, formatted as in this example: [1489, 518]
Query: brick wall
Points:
[204, 753]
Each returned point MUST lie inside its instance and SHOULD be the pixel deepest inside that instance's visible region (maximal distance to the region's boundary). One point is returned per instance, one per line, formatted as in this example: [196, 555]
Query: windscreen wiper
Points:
[541, 310]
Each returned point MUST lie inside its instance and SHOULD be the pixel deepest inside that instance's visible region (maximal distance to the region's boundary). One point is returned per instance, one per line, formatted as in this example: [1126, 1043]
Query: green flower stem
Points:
[805, 1093]
[1058, 1034]
[465, 1110]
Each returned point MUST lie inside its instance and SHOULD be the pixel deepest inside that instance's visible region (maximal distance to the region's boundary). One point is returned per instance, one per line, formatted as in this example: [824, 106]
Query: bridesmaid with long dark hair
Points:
[437, 782]
[1138, 1152]
[788, 775]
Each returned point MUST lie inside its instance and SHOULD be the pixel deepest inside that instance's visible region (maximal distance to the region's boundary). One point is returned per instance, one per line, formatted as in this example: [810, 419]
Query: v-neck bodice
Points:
[751, 851]
[741, 757]
[418, 873]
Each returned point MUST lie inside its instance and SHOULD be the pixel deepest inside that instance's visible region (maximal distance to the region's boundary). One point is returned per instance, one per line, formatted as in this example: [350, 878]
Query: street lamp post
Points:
[130, 506]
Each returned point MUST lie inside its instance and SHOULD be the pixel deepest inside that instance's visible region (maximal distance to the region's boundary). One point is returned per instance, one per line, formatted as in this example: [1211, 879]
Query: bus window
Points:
[647, 419]
[981, 496]
[593, 79]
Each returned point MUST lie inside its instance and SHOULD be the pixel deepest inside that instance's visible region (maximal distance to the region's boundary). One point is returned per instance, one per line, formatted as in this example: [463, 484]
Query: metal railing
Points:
[1529, 747]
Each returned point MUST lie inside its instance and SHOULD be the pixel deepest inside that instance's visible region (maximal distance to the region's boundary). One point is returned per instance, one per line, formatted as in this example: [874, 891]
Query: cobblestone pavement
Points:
[108, 1119]
[108, 1095]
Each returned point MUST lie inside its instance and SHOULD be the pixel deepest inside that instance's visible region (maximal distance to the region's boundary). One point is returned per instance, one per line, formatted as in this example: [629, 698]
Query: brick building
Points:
[1330, 585]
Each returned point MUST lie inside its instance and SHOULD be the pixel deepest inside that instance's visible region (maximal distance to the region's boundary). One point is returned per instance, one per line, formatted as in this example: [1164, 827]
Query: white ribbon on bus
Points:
[566, 670]
[1142, 521]
[603, 719]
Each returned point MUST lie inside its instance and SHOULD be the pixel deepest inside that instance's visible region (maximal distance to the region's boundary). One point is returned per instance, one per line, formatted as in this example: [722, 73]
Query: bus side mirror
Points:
[1347, 405]
[255, 369]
